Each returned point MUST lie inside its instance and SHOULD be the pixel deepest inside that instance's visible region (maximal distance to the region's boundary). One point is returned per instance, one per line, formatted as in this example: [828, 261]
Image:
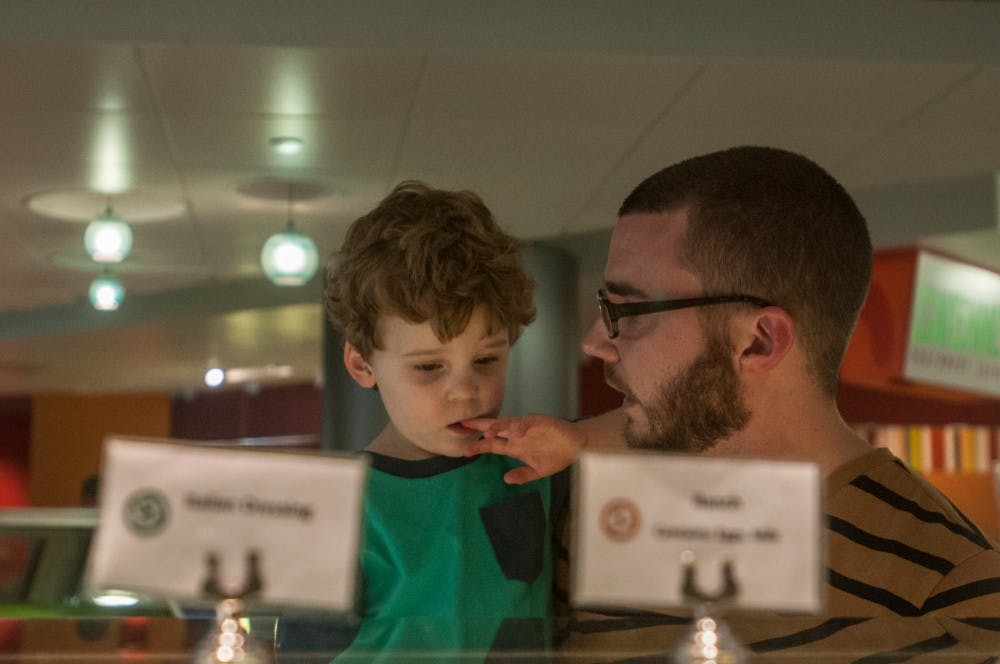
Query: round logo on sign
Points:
[620, 520]
[146, 512]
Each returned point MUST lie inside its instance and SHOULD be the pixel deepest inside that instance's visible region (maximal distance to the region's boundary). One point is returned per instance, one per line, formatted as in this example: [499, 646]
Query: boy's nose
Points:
[462, 386]
[596, 342]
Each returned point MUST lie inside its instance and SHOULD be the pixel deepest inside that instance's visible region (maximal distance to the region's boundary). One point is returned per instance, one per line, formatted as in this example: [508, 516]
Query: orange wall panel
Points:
[67, 432]
[878, 348]
[973, 493]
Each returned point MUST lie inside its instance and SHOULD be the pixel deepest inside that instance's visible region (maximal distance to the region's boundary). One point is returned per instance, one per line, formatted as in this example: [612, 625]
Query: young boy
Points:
[430, 295]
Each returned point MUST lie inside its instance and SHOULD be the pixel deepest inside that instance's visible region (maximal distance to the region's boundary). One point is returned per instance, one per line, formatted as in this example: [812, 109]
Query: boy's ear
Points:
[766, 340]
[358, 367]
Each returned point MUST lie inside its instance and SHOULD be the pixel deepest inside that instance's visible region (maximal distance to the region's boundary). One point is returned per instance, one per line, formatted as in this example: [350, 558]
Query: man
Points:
[732, 287]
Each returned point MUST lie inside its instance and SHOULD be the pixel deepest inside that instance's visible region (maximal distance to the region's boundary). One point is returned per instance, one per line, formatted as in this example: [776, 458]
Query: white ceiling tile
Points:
[512, 168]
[919, 155]
[108, 148]
[226, 79]
[822, 96]
[957, 134]
[829, 110]
[355, 146]
[973, 106]
[570, 88]
[71, 77]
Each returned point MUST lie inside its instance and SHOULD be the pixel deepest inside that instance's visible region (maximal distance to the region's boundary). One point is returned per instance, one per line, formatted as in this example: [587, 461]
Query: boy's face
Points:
[428, 386]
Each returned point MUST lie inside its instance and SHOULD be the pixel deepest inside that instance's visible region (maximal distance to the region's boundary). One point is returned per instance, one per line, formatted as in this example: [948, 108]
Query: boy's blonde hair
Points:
[427, 255]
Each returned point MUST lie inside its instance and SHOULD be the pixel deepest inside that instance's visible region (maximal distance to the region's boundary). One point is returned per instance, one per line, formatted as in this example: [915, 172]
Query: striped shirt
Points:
[898, 546]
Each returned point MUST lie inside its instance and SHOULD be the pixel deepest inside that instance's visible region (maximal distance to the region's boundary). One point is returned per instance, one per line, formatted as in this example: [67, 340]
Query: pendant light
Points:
[108, 238]
[289, 258]
[106, 292]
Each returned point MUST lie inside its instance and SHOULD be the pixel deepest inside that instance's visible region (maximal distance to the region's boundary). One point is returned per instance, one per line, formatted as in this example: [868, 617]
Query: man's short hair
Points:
[771, 223]
[427, 255]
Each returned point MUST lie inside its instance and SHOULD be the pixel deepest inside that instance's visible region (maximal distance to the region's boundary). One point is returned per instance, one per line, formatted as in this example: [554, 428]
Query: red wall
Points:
[236, 413]
[860, 404]
[15, 442]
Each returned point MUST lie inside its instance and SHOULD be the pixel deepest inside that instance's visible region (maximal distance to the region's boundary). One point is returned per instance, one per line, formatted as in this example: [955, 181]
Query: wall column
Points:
[352, 415]
[543, 372]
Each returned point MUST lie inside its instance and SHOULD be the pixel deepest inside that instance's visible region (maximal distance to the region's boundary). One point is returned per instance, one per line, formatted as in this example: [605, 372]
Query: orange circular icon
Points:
[620, 520]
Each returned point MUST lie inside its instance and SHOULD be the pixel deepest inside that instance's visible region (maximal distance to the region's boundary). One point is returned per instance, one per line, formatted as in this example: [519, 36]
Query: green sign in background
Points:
[954, 335]
[951, 321]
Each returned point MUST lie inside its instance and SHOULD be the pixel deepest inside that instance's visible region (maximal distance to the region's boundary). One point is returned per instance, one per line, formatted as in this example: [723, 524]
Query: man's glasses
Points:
[611, 312]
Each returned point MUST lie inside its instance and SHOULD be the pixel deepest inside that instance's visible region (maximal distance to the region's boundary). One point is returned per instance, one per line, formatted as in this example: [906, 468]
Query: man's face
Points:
[681, 391]
[428, 386]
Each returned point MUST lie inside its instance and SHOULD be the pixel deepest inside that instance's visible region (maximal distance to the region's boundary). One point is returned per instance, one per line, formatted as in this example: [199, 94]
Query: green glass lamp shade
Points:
[107, 239]
[106, 293]
[289, 258]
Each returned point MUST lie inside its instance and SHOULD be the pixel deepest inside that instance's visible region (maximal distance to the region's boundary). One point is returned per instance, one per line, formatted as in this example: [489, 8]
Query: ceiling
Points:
[552, 112]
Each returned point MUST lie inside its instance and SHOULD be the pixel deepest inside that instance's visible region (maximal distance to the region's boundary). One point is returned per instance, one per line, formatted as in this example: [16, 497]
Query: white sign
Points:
[639, 515]
[193, 523]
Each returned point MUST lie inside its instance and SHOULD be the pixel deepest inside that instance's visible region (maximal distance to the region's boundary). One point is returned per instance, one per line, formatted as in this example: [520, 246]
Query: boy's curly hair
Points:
[427, 254]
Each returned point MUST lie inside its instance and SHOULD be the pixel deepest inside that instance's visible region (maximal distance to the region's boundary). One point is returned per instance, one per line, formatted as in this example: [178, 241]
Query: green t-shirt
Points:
[449, 552]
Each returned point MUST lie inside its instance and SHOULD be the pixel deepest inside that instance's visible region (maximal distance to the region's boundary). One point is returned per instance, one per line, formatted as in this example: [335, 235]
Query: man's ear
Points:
[767, 339]
[358, 367]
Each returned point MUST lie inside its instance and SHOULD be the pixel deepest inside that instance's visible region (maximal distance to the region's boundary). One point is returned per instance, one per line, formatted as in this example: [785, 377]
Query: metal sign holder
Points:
[710, 640]
[230, 642]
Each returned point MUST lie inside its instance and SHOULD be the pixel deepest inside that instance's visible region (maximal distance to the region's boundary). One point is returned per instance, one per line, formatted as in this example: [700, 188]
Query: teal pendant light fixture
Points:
[108, 238]
[289, 258]
[106, 293]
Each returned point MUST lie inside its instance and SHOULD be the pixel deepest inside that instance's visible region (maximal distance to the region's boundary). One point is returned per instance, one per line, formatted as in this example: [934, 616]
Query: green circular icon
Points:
[146, 512]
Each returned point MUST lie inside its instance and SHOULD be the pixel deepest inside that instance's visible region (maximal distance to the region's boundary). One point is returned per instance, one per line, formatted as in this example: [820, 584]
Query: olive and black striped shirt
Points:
[897, 546]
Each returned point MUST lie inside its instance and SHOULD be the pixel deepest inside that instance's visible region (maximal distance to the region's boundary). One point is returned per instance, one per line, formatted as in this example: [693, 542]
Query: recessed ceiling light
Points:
[286, 144]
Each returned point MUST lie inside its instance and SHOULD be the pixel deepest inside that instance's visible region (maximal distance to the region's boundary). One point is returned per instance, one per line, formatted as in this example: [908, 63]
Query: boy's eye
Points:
[489, 359]
[427, 366]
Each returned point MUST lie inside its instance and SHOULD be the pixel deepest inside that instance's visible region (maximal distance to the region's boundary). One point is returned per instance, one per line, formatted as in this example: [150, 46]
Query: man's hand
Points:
[543, 443]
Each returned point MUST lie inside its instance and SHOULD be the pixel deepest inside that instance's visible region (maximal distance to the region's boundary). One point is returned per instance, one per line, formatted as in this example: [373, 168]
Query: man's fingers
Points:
[489, 427]
[504, 427]
[494, 445]
[478, 447]
[521, 475]
[479, 423]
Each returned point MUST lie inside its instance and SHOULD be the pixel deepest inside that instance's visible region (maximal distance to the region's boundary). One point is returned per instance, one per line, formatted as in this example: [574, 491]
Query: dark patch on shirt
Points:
[516, 528]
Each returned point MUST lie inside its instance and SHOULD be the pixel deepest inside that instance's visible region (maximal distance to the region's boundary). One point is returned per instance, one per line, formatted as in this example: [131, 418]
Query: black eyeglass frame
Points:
[612, 312]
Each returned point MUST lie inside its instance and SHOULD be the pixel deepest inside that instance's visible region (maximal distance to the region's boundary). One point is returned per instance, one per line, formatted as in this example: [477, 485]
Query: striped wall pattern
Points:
[956, 448]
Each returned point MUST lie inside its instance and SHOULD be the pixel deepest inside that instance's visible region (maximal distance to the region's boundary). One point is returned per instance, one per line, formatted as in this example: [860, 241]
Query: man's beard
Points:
[697, 408]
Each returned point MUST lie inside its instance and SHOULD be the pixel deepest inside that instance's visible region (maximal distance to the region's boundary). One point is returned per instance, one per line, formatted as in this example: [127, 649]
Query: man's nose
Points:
[597, 344]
